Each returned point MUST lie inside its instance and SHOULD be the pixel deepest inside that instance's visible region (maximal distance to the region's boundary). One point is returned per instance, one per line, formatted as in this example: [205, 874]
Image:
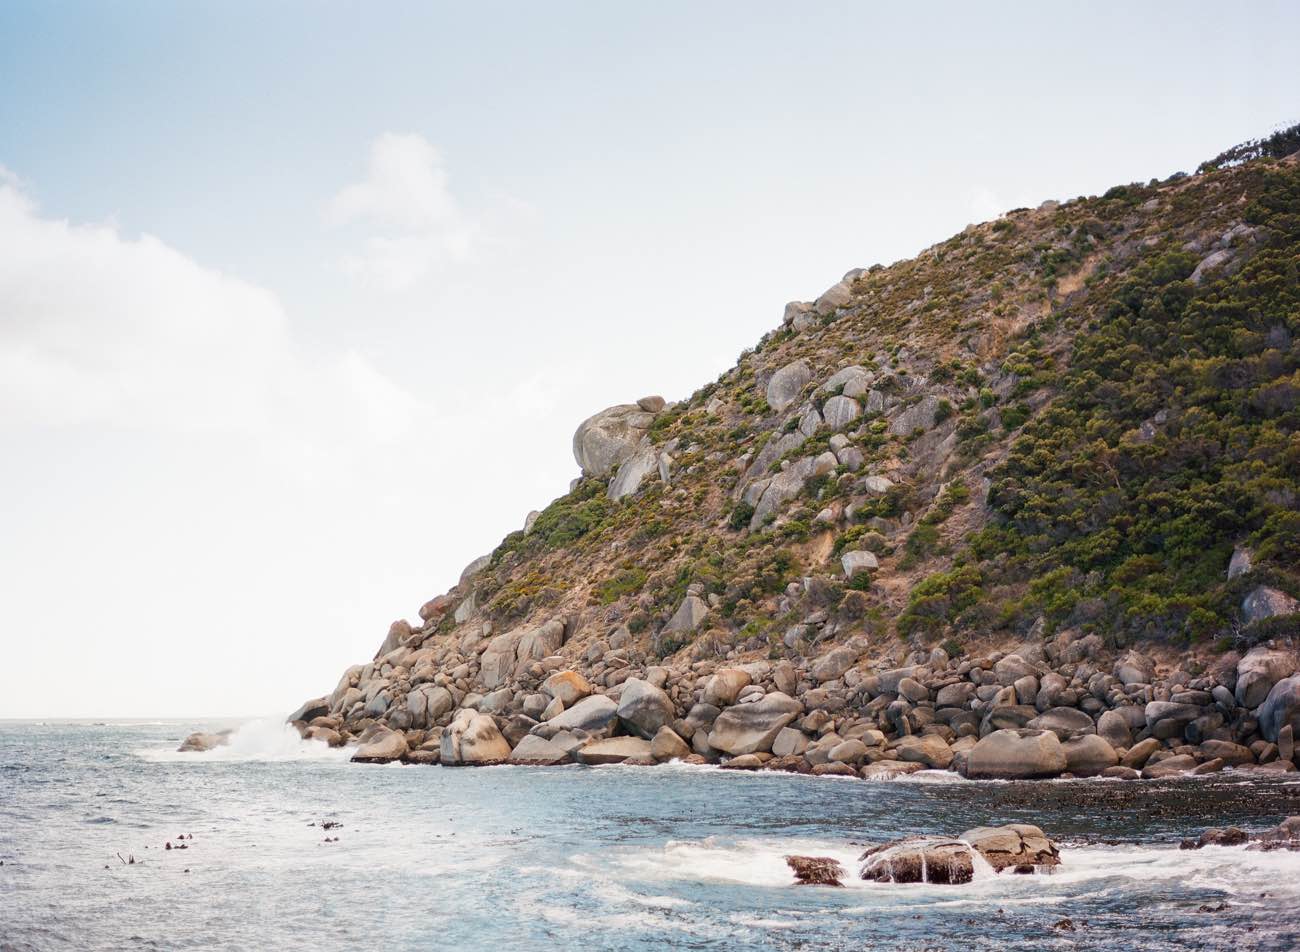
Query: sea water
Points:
[619, 858]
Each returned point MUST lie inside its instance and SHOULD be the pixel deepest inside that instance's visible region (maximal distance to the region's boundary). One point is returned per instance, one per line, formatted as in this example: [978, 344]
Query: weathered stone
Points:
[789, 742]
[644, 708]
[783, 487]
[751, 727]
[785, 386]
[1088, 755]
[614, 750]
[1280, 708]
[919, 860]
[1258, 670]
[1169, 767]
[383, 747]
[1264, 602]
[723, 688]
[1234, 755]
[610, 437]
[919, 416]
[955, 695]
[836, 296]
[592, 714]
[1016, 754]
[1135, 668]
[839, 412]
[859, 560]
[667, 745]
[689, 615]
[1113, 727]
[1065, 722]
[1139, 753]
[473, 738]
[316, 707]
[888, 770]
[536, 750]
[1020, 847]
[632, 472]
[833, 664]
[1241, 562]
[568, 687]
[930, 750]
[816, 870]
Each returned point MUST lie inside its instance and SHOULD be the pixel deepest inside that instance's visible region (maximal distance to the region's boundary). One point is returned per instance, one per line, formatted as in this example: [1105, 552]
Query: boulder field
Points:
[1059, 708]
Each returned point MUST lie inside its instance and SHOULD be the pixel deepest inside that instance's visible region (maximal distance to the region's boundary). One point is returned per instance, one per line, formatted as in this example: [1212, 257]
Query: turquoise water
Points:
[612, 858]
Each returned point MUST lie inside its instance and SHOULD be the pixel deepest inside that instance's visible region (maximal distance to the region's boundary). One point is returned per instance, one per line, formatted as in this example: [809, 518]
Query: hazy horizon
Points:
[295, 323]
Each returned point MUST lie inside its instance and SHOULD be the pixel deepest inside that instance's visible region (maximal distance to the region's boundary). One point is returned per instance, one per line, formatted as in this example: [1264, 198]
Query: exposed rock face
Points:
[609, 438]
[689, 614]
[1017, 754]
[473, 738]
[747, 728]
[632, 471]
[816, 870]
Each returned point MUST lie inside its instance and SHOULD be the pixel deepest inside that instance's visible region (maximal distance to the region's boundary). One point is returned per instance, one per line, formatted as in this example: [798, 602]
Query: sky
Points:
[300, 303]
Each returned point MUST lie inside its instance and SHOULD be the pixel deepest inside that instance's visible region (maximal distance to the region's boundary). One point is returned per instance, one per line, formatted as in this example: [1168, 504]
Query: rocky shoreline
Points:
[1041, 711]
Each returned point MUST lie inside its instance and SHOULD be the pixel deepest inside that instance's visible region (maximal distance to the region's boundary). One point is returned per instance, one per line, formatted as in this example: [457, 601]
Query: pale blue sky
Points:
[399, 251]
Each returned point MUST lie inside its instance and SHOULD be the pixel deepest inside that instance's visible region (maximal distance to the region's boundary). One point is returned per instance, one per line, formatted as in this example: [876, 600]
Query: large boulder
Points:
[614, 750]
[919, 859]
[632, 472]
[816, 870]
[782, 487]
[834, 663]
[751, 727]
[928, 749]
[840, 411]
[836, 296]
[785, 386]
[1020, 847]
[592, 714]
[688, 616]
[644, 708]
[316, 707]
[1088, 755]
[722, 689]
[668, 745]
[384, 746]
[1065, 722]
[919, 416]
[497, 663]
[1016, 754]
[609, 438]
[1280, 708]
[473, 738]
[540, 642]
[1258, 670]
[568, 687]
[1265, 602]
[536, 750]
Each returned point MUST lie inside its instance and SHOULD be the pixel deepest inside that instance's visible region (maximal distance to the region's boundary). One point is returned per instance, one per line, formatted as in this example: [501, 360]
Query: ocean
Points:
[592, 858]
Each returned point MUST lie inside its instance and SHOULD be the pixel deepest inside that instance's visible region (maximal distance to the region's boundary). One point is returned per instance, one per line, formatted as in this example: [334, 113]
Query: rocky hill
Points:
[1049, 468]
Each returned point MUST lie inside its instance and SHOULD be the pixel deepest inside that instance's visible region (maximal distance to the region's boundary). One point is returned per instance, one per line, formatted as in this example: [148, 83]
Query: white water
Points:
[265, 740]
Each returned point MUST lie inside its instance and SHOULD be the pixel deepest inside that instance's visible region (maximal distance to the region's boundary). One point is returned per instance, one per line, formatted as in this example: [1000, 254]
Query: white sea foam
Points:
[266, 739]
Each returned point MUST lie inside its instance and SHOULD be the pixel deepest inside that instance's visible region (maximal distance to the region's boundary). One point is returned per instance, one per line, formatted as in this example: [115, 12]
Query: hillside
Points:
[1060, 428]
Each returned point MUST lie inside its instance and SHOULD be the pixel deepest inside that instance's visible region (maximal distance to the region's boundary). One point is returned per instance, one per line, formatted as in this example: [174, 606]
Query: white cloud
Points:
[98, 329]
[406, 199]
